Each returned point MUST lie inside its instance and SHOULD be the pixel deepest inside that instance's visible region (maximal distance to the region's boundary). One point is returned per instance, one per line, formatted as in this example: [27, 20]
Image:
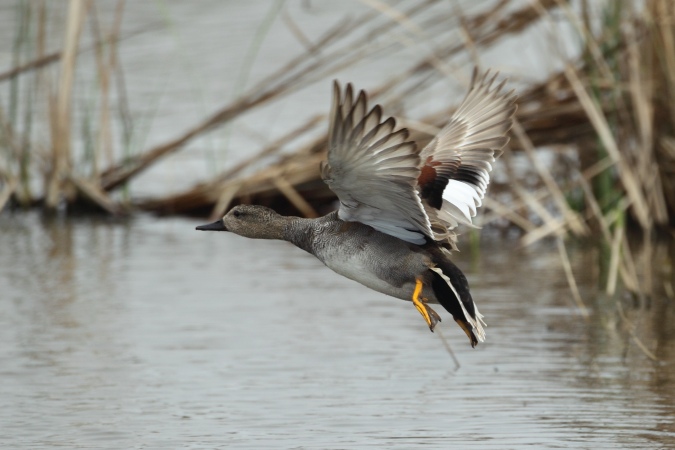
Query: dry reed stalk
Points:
[42, 60]
[583, 26]
[31, 65]
[552, 226]
[120, 174]
[220, 190]
[559, 226]
[618, 261]
[630, 275]
[662, 14]
[294, 197]
[296, 31]
[540, 195]
[571, 280]
[406, 23]
[275, 147]
[640, 88]
[550, 222]
[666, 160]
[641, 79]
[614, 260]
[10, 138]
[594, 207]
[601, 125]
[105, 68]
[662, 49]
[77, 10]
[570, 217]
[93, 193]
[647, 265]
[502, 211]
[225, 198]
[104, 138]
[486, 29]
[297, 170]
[16, 152]
[228, 193]
[527, 199]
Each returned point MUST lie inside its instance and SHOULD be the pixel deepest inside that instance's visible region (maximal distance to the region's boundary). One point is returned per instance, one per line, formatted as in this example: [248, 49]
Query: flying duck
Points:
[399, 205]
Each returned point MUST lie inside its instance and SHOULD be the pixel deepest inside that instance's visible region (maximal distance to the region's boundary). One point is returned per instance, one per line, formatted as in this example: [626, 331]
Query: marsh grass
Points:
[607, 116]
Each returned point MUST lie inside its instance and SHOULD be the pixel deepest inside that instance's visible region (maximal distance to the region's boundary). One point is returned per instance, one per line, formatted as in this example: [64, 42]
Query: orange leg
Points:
[430, 316]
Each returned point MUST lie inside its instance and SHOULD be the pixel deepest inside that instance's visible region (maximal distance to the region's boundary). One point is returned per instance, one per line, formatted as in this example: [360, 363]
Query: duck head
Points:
[252, 221]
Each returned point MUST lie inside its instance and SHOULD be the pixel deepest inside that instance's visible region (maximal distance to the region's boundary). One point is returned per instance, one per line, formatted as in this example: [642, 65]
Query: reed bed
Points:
[605, 121]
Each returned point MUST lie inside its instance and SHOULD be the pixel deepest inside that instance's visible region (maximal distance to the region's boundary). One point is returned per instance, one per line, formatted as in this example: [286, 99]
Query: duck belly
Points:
[383, 273]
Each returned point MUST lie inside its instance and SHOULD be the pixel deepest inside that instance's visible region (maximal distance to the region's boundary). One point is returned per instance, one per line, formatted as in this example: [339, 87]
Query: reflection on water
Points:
[148, 334]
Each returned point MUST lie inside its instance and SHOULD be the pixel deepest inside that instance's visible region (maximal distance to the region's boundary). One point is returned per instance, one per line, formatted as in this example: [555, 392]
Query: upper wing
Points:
[374, 169]
[456, 163]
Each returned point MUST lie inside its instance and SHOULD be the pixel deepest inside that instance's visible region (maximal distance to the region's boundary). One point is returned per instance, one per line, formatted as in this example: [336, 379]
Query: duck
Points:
[399, 205]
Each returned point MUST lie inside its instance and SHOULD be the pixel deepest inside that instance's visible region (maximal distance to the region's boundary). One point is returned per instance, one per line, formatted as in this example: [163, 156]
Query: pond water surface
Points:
[148, 334]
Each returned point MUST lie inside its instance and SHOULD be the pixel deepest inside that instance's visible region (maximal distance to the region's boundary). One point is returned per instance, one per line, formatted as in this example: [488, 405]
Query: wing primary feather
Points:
[373, 169]
[457, 162]
[382, 179]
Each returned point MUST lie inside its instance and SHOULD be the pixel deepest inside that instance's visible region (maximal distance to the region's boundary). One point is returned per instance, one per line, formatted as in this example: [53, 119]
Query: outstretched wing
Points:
[373, 169]
[456, 163]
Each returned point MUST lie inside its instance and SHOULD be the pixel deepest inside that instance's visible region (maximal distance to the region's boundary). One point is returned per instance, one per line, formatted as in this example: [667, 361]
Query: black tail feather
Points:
[446, 297]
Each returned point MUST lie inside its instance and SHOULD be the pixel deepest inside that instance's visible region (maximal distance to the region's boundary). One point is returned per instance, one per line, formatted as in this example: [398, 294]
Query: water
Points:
[148, 334]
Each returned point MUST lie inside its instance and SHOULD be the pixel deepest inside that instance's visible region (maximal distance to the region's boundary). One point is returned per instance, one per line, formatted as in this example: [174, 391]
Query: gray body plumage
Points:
[377, 260]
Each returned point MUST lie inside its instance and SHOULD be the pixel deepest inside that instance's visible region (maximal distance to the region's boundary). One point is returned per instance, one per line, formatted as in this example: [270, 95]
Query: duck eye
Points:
[237, 214]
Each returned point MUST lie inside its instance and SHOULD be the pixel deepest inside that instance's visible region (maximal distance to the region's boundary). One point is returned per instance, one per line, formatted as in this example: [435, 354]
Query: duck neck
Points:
[299, 232]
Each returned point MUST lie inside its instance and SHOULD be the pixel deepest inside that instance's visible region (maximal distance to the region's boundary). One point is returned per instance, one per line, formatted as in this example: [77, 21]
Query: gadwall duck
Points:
[399, 206]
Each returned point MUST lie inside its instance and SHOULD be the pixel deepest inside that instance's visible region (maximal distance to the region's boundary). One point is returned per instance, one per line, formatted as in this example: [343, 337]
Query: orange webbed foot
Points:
[430, 316]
